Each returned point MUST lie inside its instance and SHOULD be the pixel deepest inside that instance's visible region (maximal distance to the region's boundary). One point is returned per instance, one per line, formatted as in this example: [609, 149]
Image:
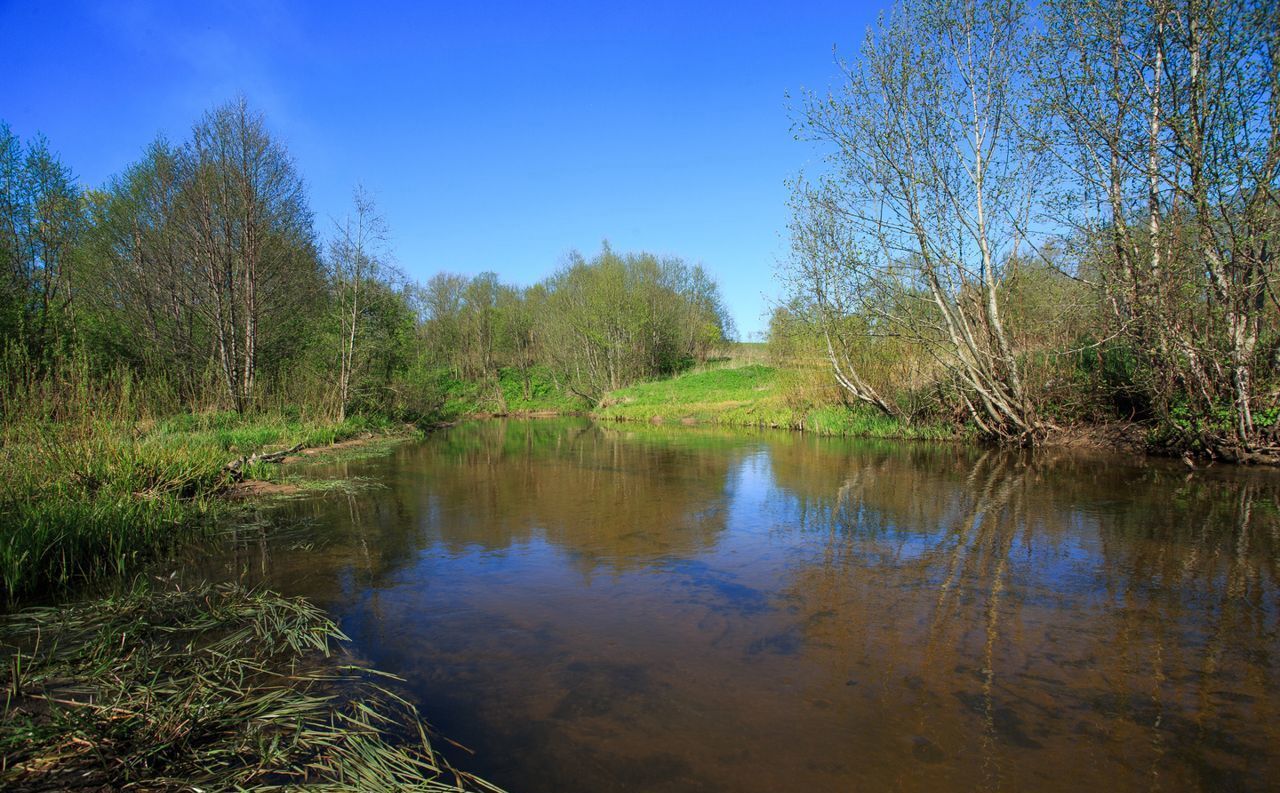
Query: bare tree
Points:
[359, 273]
[1169, 130]
[248, 233]
[925, 200]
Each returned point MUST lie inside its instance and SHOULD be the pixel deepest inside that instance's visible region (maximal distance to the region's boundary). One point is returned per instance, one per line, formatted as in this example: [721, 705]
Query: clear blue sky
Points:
[495, 136]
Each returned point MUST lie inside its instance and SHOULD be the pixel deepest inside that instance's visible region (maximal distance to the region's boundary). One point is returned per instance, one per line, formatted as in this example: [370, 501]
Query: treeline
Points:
[595, 325]
[200, 279]
[1031, 216]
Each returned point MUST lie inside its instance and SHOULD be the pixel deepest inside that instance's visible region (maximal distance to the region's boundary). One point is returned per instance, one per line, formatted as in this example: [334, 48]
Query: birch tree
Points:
[1168, 128]
[925, 198]
[360, 274]
[248, 232]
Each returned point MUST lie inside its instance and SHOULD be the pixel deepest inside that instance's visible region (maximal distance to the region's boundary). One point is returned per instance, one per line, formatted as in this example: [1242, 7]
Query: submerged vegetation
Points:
[201, 689]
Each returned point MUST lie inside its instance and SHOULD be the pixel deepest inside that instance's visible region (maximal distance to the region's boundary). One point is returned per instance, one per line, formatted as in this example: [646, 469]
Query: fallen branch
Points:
[237, 467]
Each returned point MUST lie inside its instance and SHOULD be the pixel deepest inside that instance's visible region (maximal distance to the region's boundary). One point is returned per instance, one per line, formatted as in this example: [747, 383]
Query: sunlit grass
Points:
[514, 393]
[756, 396]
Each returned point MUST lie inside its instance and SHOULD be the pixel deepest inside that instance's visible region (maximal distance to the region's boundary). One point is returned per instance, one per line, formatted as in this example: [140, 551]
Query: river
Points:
[633, 608]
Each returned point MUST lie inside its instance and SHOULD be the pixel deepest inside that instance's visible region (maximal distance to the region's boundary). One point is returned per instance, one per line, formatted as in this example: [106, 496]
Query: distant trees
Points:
[1122, 157]
[199, 271]
[616, 319]
[522, 333]
[595, 325]
[441, 302]
[361, 281]
[479, 326]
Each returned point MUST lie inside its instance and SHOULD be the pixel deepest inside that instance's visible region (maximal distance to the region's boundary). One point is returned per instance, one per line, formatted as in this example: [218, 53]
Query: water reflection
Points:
[646, 608]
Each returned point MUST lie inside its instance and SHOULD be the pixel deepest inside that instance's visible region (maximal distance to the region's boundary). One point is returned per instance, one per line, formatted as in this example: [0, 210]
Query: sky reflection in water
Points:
[635, 608]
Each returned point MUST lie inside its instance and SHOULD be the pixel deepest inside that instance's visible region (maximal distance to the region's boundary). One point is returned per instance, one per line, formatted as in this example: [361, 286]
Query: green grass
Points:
[464, 398]
[754, 396]
[92, 498]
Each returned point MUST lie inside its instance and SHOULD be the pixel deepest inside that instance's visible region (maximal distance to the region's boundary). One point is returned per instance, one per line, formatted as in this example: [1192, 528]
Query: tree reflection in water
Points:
[1083, 599]
[625, 608]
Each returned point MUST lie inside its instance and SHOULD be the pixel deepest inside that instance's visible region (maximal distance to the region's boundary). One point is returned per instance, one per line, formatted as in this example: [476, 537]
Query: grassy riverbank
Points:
[217, 687]
[92, 497]
[511, 393]
[756, 396]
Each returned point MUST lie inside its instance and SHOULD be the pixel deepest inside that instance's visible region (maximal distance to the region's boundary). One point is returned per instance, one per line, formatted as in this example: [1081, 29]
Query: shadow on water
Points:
[648, 608]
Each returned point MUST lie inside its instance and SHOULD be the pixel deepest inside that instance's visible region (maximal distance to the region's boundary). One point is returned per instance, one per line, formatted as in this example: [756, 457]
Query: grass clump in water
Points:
[212, 688]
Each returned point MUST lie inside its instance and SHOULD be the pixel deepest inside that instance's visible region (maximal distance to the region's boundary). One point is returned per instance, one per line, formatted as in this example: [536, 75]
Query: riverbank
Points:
[171, 689]
[756, 396]
[94, 498]
[512, 392]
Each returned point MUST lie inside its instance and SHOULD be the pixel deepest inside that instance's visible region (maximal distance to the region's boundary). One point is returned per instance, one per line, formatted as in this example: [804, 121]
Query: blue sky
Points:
[494, 136]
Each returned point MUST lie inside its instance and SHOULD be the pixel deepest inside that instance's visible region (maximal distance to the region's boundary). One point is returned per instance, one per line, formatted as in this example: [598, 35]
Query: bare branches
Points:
[361, 279]
[1120, 155]
[924, 201]
[1185, 116]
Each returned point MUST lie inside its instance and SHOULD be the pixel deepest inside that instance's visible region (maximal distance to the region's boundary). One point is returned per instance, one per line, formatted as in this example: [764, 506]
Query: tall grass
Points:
[511, 393]
[87, 498]
[213, 688]
[98, 473]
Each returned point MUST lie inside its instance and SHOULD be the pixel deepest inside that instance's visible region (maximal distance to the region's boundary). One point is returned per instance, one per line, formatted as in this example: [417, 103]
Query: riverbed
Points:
[607, 607]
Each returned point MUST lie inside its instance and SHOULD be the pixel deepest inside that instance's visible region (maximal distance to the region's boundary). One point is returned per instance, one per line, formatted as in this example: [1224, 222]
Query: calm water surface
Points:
[633, 608]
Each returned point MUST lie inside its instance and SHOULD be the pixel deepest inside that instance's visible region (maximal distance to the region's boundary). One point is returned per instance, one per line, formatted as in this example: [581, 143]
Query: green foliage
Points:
[1186, 427]
[1152, 246]
[42, 219]
[1117, 371]
[514, 392]
[617, 319]
[200, 282]
[596, 324]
